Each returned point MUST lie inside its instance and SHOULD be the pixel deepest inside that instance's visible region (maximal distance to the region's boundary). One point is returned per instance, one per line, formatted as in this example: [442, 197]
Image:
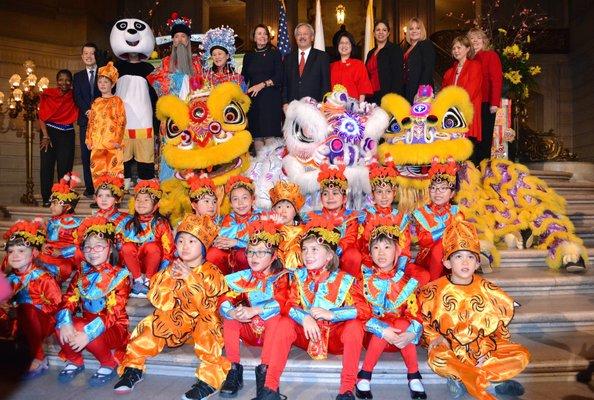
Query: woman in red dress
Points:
[468, 75]
[349, 72]
[492, 84]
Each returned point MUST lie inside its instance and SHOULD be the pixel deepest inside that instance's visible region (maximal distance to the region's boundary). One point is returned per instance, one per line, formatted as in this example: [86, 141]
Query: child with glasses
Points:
[93, 314]
[251, 309]
[429, 222]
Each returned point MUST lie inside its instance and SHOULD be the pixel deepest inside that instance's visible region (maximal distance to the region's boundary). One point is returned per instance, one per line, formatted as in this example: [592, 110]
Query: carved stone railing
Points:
[542, 146]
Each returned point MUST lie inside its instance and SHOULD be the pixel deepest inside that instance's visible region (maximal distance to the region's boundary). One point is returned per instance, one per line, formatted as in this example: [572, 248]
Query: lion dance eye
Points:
[452, 119]
[233, 114]
[199, 113]
[172, 129]
[393, 126]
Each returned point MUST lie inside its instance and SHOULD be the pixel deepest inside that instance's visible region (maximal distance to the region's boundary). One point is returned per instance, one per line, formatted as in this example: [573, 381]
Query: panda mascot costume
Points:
[132, 42]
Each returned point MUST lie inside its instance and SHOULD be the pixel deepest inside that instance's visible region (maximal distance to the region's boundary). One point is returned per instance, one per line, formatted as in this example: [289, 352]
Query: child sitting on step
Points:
[147, 239]
[185, 296]
[36, 294]
[465, 321]
[109, 191]
[203, 196]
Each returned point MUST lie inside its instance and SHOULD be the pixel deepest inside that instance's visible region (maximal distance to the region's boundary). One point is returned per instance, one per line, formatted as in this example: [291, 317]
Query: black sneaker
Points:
[260, 378]
[363, 394]
[509, 388]
[415, 386]
[129, 379]
[200, 390]
[269, 394]
[348, 395]
[233, 382]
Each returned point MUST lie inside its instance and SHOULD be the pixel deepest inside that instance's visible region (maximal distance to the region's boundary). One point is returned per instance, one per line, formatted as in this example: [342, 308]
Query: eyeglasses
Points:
[257, 253]
[95, 249]
[439, 189]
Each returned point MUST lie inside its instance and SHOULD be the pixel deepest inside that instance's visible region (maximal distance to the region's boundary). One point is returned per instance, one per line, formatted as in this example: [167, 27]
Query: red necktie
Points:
[302, 63]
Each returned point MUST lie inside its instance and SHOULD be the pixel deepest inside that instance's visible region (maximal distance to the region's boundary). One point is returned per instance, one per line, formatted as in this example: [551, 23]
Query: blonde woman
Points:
[419, 59]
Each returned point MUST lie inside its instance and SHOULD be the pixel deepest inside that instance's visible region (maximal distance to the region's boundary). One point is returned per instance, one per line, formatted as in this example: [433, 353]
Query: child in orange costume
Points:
[287, 200]
[430, 221]
[59, 256]
[147, 239]
[251, 309]
[203, 196]
[228, 249]
[93, 313]
[465, 321]
[333, 194]
[326, 310]
[396, 321]
[35, 292]
[185, 296]
[107, 124]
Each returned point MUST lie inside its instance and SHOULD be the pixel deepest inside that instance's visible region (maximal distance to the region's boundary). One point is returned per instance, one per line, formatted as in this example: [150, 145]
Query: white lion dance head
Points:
[340, 131]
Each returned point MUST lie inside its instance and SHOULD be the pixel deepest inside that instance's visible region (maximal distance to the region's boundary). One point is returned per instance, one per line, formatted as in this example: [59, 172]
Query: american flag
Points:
[284, 45]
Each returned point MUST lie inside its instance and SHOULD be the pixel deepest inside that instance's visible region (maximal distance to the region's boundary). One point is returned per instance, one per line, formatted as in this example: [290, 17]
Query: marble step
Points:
[553, 356]
[551, 176]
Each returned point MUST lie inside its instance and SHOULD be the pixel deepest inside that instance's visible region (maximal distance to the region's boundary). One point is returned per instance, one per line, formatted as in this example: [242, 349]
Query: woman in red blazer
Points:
[468, 75]
[492, 84]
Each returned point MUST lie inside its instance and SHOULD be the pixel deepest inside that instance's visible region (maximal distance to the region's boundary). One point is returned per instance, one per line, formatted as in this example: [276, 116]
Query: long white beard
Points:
[181, 59]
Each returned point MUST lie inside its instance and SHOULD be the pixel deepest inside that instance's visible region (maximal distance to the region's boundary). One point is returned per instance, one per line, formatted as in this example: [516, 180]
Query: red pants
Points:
[377, 346]
[234, 330]
[346, 338]
[61, 268]
[228, 261]
[102, 348]
[350, 261]
[142, 259]
[35, 326]
[432, 260]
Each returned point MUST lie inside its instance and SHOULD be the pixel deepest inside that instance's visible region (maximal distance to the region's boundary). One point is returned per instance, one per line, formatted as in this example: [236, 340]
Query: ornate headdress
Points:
[63, 191]
[32, 233]
[240, 181]
[115, 184]
[222, 38]
[149, 186]
[109, 71]
[264, 231]
[460, 235]
[383, 175]
[179, 24]
[200, 186]
[444, 172]
[324, 230]
[288, 191]
[331, 176]
[201, 227]
[382, 225]
[97, 225]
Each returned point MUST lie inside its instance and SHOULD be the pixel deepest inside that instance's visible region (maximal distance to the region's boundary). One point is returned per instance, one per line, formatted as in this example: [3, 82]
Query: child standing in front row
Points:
[107, 124]
[396, 322]
[228, 250]
[93, 313]
[185, 296]
[325, 312]
[465, 321]
[35, 291]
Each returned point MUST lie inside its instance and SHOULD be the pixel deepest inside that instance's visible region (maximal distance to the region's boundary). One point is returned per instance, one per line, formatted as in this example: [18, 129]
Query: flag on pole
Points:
[368, 42]
[319, 42]
[284, 44]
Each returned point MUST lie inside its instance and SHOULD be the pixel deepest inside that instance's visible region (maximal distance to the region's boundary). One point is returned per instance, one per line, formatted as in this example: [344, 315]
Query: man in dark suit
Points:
[85, 91]
[306, 70]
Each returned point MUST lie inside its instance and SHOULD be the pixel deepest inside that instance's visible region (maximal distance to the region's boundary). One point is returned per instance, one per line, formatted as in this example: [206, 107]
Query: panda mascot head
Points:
[131, 36]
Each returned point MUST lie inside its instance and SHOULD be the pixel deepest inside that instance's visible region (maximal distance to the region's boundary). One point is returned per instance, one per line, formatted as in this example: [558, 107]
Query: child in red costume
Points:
[251, 309]
[430, 221]
[396, 323]
[203, 196]
[333, 192]
[147, 239]
[109, 191]
[326, 308]
[228, 249]
[93, 314]
[59, 255]
[36, 294]
[287, 200]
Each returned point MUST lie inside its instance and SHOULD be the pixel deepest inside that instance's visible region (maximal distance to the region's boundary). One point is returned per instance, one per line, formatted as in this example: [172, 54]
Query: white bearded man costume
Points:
[132, 41]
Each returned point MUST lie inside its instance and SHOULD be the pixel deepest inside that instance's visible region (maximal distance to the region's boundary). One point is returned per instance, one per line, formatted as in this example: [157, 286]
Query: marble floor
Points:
[157, 387]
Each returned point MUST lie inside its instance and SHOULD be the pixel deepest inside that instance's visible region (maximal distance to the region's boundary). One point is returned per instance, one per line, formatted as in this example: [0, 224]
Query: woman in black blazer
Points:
[419, 59]
[384, 64]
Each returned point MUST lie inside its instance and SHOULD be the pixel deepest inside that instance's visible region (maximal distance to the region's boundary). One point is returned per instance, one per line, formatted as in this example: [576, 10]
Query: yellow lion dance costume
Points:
[206, 135]
[505, 202]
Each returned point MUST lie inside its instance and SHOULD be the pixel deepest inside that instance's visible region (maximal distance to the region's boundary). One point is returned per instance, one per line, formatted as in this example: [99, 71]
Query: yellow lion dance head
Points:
[206, 135]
